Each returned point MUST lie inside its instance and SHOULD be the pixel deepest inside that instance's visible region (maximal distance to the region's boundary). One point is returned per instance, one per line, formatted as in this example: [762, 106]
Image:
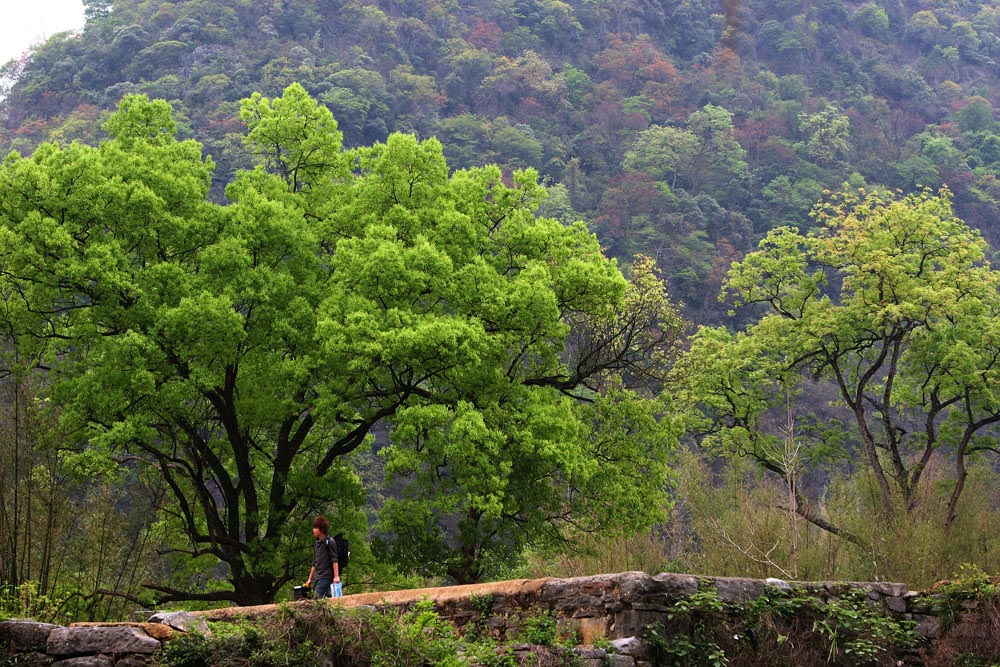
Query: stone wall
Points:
[93, 644]
[613, 611]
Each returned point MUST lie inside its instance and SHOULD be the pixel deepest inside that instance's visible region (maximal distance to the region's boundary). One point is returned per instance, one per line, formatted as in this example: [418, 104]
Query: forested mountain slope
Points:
[474, 390]
[683, 130]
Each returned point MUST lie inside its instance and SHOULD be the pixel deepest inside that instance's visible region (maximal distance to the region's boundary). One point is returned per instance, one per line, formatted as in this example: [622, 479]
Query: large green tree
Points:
[246, 350]
[891, 303]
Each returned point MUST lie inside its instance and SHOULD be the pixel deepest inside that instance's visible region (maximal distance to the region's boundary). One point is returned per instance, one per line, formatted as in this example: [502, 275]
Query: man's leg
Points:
[323, 588]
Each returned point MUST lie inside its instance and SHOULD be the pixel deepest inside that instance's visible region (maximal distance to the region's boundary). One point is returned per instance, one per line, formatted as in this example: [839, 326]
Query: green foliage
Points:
[294, 137]
[779, 628]
[827, 135]
[489, 656]
[556, 81]
[244, 351]
[971, 582]
[971, 596]
[697, 616]
[288, 640]
[64, 555]
[896, 320]
[847, 624]
[976, 115]
[852, 626]
[307, 633]
[663, 152]
[483, 605]
[25, 601]
[872, 19]
[538, 629]
[783, 99]
[96, 11]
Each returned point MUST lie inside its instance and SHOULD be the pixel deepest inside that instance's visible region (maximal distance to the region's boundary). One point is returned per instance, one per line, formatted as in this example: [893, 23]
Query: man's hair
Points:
[321, 523]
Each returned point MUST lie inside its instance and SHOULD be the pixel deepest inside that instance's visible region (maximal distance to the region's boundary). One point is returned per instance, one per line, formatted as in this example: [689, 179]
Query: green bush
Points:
[25, 601]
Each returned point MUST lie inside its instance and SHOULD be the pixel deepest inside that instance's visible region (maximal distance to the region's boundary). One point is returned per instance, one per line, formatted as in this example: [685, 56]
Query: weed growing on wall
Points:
[693, 640]
[779, 628]
[974, 596]
[300, 636]
[306, 635]
[539, 629]
[483, 605]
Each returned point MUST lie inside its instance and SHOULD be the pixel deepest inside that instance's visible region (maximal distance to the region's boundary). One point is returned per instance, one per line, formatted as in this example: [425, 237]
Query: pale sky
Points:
[26, 22]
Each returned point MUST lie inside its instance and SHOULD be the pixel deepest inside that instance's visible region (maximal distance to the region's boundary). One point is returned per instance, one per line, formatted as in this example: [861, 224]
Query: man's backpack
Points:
[343, 550]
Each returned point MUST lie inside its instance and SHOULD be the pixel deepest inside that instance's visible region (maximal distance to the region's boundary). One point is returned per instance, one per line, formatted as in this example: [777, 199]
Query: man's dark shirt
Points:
[325, 551]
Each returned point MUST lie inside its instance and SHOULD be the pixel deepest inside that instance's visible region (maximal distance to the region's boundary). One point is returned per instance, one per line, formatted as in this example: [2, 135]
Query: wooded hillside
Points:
[430, 268]
[683, 130]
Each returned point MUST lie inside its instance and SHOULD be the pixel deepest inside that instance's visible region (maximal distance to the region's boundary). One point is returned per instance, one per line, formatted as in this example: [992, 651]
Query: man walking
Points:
[325, 568]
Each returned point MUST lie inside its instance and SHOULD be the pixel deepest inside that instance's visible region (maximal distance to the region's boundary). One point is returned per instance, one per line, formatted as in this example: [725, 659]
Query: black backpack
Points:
[343, 550]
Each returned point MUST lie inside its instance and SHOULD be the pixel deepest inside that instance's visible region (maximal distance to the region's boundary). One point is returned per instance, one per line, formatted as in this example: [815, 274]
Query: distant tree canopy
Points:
[245, 351]
[742, 104]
